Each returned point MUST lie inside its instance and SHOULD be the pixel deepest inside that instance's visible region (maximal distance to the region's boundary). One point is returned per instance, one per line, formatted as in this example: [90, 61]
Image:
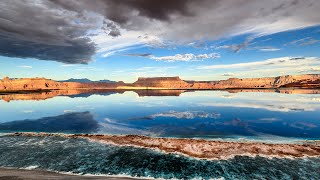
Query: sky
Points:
[127, 39]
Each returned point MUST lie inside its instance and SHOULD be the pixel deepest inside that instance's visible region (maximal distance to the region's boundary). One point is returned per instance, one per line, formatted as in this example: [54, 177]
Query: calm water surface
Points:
[262, 116]
[206, 114]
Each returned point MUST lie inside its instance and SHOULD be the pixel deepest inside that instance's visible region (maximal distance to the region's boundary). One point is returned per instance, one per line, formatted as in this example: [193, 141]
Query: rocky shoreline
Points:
[199, 148]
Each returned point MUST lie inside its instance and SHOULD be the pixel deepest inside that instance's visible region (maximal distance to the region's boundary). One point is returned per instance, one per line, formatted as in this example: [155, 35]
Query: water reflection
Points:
[78, 122]
[208, 114]
[7, 97]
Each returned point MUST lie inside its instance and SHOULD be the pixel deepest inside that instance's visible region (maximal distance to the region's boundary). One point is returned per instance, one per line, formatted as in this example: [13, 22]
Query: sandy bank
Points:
[21, 174]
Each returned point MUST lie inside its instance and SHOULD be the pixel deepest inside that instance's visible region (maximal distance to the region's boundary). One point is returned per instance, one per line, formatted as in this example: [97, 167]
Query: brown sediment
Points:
[199, 148]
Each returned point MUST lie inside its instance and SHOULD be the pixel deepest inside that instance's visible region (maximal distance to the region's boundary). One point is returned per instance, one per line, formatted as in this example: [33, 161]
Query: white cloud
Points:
[68, 65]
[266, 68]
[315, 69]
[310, 42]
[186, 57]
[304, 41]
[228, 74]
[269, 49]
[25, 66]
[274, 62]
[108, 45]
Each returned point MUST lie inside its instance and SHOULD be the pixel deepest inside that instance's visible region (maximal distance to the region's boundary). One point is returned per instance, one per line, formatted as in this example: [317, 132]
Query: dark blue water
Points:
[83, 157]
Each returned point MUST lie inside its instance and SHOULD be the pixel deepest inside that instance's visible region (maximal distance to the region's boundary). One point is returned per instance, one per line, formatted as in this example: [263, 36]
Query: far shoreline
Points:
[18, 91]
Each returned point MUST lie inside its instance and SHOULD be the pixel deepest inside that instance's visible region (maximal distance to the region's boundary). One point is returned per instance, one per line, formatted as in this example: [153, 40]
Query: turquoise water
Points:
[84, 157]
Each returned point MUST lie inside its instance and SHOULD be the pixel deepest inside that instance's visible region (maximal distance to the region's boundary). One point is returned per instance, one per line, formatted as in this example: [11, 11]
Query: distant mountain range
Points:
[85, 80]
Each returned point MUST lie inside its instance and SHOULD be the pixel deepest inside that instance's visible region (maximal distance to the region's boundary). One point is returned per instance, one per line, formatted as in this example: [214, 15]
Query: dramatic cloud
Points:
[39, 29]
[112, 28]
[186, 19]
[73, 31]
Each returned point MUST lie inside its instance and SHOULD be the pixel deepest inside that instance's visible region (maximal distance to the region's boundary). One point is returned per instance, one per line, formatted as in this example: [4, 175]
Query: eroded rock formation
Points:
[162, 82]
[302, 81]
[307, 80]
[269, 82]
[21, 84]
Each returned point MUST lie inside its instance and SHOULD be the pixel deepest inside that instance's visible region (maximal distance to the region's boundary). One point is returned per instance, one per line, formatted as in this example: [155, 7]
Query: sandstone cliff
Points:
[308, 80]
[7, 84]
[163, 82]
[269, 82]
[302, 81]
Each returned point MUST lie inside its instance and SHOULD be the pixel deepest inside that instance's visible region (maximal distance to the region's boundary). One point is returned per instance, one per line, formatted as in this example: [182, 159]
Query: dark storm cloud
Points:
[155, 9]
[32, 29]
[56, 30]
[128, 13]
[120, 11]
[111, 29]
[79, 51]
[61, 30]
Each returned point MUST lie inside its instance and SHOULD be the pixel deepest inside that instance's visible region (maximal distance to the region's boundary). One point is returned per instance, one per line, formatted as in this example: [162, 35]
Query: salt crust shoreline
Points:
[199, 148]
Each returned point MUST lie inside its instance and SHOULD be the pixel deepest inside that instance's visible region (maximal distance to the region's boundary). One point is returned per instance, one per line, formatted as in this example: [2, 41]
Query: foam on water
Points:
[79, 156]
[31, 167]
